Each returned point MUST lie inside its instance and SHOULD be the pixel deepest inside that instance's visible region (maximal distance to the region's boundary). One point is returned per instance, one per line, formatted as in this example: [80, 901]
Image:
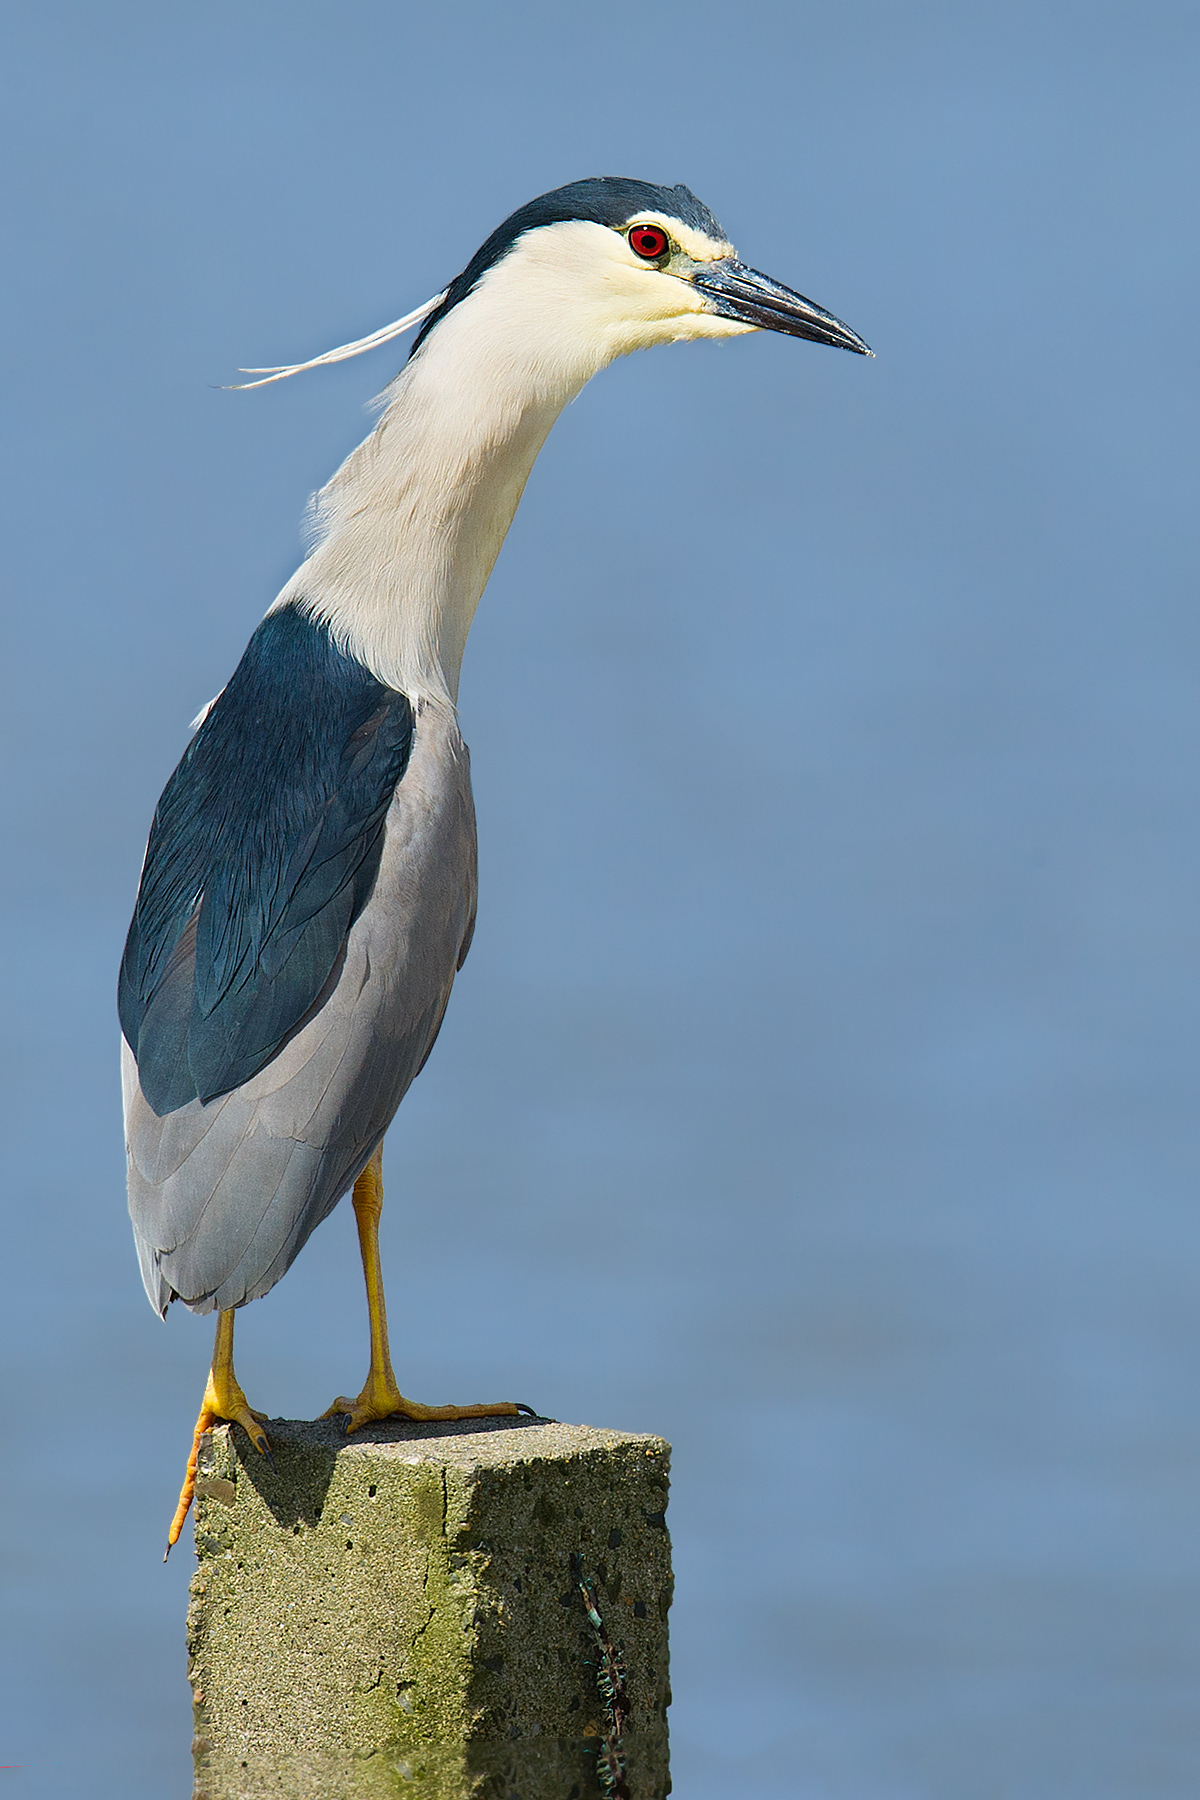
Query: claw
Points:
[382, 1399]
[223, 1399]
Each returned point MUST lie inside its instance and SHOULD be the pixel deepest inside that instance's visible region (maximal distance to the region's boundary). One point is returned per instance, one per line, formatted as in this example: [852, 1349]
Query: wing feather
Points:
[223, 1193]
[264, 848]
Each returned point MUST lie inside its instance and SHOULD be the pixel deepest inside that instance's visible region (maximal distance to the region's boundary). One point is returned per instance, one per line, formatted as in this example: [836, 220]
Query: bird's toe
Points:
[382, 1399]
[341, 1408]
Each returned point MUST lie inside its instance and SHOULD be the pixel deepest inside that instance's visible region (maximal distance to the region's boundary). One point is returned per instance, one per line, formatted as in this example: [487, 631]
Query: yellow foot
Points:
[382, 1399]
[224, 1402]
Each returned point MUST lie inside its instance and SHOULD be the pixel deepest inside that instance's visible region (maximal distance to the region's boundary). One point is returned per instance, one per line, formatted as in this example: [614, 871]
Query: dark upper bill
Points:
[741, 293]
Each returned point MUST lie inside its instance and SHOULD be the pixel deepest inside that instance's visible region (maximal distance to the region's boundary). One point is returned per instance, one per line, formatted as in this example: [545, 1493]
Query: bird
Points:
[308, 892]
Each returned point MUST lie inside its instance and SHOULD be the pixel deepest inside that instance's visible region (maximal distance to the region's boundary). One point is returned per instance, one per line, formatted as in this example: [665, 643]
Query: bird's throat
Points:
[412, 523]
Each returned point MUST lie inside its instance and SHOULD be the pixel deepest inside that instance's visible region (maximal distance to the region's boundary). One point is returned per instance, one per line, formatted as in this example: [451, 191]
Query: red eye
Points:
[649, 242]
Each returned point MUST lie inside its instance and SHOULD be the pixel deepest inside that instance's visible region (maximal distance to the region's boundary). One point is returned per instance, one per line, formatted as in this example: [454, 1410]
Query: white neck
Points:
[413, 520]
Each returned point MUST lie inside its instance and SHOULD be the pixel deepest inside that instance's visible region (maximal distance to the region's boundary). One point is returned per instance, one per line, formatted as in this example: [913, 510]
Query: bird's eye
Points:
[649, 242]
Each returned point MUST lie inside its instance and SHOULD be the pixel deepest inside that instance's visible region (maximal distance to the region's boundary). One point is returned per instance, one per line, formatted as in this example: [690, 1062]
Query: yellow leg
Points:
[381, 1397]
[223, 1399]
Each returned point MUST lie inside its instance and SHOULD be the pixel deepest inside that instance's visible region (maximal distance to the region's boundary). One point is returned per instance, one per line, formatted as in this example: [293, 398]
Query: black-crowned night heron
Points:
[308, 893]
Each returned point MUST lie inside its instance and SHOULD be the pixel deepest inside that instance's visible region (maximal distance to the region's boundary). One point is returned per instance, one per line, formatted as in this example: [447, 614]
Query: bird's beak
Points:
[737, 292]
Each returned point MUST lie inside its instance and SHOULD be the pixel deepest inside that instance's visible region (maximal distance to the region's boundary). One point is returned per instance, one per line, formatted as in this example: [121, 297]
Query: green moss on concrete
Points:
[398, 1613]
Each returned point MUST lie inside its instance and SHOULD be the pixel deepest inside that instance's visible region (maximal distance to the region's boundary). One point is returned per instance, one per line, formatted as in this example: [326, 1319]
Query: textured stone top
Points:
[481, 1443]
[473, 1608]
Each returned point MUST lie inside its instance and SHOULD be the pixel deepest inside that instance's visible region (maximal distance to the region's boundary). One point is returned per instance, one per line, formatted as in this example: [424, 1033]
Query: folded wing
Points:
[263, 851]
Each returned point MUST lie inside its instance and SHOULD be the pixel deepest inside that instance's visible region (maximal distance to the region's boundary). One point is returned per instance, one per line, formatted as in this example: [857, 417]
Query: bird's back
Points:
[277, 1040]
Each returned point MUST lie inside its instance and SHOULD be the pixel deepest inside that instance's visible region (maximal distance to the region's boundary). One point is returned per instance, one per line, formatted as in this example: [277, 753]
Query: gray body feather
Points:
[224, 1195]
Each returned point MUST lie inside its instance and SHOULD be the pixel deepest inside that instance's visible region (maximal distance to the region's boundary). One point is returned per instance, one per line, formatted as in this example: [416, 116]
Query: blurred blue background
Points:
[821, 1091]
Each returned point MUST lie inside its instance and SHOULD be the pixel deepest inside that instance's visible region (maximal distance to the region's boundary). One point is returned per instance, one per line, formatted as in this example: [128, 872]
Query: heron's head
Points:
[601, 267]
[587, 273]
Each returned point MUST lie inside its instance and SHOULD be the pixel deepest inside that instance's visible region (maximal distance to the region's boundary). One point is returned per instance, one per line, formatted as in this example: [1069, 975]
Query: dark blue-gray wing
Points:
[263, 851]
[223, 1194]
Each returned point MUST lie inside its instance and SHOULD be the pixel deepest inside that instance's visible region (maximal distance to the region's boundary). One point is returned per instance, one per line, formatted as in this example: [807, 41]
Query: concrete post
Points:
[431, 1610]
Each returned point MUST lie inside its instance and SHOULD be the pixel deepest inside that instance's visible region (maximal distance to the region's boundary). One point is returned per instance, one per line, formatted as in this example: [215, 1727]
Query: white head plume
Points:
[343, 352]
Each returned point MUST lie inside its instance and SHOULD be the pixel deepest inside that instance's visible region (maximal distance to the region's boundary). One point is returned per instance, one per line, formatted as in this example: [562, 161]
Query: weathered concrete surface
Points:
[399, 1613]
